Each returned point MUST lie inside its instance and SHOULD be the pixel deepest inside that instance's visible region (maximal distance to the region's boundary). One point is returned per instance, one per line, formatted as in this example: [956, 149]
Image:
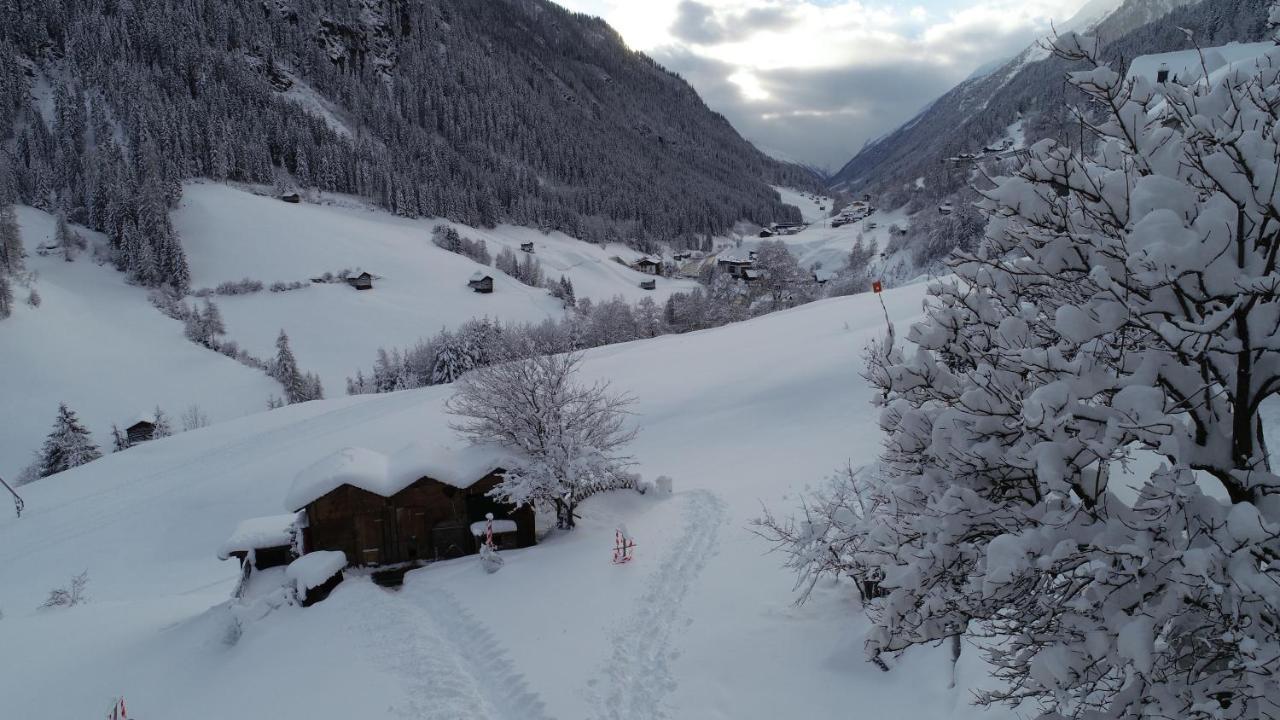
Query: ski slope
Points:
[700, 625]
[98, 345]
[333, 329]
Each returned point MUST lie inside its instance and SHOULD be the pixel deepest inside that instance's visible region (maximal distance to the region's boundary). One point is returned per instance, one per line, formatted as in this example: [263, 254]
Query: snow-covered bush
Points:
[571, 433]
[1124, 301]
[71, 595]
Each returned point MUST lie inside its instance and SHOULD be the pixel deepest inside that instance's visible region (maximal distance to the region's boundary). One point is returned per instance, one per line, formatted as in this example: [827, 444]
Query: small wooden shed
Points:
[526, 247]
[294, 198]
[648, 284]
[418, 504]
[142, 430]
[263, 542]
[481, 283]
[363, 281]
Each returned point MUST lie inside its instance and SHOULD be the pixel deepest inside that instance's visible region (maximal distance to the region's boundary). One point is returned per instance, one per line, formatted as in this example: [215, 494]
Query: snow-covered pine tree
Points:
[6, 297]
[1124, 305]
[571, 433]
[119, 440]
[68, 445]
[163, 427]
[298, 387]
[65, 238]
[11, 252]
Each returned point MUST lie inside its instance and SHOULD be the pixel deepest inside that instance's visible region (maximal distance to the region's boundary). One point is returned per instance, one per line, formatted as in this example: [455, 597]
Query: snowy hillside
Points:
[813, 206]
[96, 344]
[419, 288]
[701, 624]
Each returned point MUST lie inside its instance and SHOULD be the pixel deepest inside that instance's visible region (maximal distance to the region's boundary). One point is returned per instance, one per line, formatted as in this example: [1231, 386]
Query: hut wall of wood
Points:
[428, 520]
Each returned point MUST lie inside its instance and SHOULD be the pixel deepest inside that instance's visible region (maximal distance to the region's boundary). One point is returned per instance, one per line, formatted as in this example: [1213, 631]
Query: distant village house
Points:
[647, 265]
[737, 262]
[363, 281]
[481, 283]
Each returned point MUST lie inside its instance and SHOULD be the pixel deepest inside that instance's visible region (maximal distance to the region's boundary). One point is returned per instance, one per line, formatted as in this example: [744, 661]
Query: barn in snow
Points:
[142, 429]
[424, 502]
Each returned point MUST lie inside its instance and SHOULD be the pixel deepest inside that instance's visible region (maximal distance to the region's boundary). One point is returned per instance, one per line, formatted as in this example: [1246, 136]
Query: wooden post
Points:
[17, 501]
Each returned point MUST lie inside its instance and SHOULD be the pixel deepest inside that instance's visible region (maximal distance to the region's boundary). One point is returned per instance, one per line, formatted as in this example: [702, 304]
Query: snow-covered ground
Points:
[700, 625]
[830, 246]
[813, 207]
[333, 329]
[96, 344]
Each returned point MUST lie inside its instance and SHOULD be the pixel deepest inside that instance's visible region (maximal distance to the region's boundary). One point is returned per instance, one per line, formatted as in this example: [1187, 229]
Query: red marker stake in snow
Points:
[622, 546]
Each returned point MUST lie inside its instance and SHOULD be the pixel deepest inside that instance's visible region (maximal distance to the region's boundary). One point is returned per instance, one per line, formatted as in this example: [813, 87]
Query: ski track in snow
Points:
[638, 677]
[451, 665]
[110, 505]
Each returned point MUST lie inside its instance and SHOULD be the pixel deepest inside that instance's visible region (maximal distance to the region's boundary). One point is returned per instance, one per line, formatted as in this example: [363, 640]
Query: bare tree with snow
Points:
[572, 433]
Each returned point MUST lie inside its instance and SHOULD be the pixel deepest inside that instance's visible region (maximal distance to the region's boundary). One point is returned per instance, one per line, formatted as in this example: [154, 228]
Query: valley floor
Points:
[701, 624]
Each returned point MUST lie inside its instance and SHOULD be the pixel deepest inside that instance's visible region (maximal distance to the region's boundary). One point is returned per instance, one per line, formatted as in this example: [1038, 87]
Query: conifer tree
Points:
[68, 445]
[11, 253]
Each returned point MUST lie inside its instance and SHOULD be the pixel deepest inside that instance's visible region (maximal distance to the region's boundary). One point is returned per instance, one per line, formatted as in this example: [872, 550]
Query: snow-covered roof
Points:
[478, 276]
[736, 255]
[260, 532]
[822, 274]
[314, 568]
[358, 467]
[459, 466]
[148, 418]
[386, 475]
[1187, 64]
[499, 526]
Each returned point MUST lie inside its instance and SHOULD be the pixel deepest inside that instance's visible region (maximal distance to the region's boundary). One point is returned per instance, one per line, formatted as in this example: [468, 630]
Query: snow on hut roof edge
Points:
[385, 475]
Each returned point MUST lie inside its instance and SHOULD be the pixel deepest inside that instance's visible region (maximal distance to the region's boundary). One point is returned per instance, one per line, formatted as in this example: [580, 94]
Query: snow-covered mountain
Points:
[908, 164]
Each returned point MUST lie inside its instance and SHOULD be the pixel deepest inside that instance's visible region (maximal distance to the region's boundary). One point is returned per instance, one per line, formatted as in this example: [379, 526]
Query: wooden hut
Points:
[263, 542]
[481, 283]
[648, 284]
[419, 504]
[647, 265]
[142, 430]
[526, 247]
[294, 198]
[363, 281]
[681, 255]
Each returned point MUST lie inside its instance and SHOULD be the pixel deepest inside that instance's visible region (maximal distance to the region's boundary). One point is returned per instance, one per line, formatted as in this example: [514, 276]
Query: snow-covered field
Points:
[334, 330]
[830, 246]
[700, 625]
[96, 344]
[813, 208]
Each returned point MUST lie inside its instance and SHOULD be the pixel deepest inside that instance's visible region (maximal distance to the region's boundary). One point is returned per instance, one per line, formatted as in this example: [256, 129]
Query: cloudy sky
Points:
[811, 80]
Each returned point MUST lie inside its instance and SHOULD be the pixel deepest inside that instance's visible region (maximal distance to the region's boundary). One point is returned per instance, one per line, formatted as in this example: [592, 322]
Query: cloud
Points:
[696, 23]
[812, 80]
